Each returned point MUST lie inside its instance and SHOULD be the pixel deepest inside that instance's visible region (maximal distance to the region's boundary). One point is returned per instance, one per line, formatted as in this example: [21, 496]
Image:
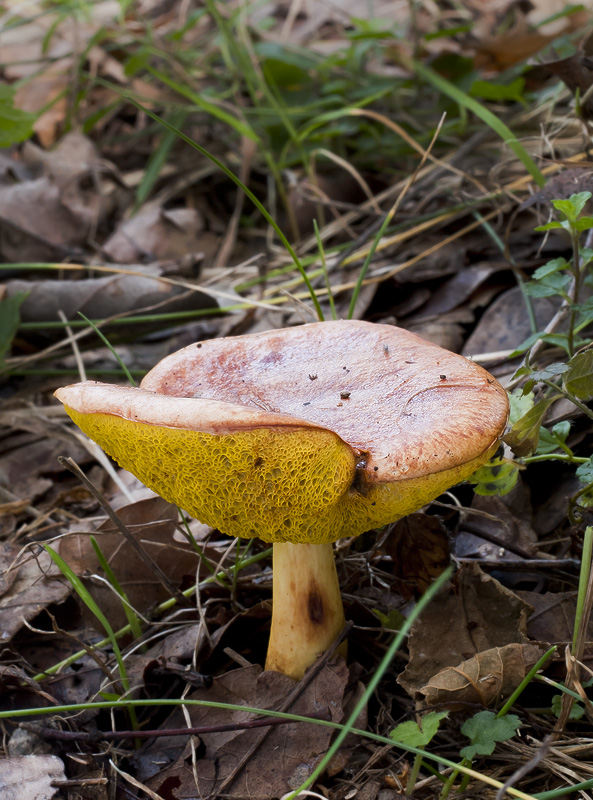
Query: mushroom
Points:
[300, 436]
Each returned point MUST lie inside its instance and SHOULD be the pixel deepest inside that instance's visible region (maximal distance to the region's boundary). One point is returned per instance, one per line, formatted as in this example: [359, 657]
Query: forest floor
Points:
[173, 173]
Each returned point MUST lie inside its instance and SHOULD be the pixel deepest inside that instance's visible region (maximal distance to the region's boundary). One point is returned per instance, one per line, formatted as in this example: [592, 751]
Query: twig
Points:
[525, 769]
[109, 736]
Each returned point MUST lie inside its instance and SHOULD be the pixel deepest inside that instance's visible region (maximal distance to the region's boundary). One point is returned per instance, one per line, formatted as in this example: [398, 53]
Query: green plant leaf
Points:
[552, 266]
[572, 207]
[393, 621]
[519, 402]
[15, 125]
[9, 320]
[488, 90]
[558, 339]
[415, 735]
[549, 441]
[583, 224]
[496, 477]
[548, 285]
[524, 434]
[549, 372]
[585, 472]
[578, 380]
[485, 729]
[551, 226]
[586, 255]
[576, 712]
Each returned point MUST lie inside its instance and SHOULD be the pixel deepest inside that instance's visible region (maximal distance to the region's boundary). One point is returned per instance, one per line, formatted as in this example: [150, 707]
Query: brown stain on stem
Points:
[315, 606]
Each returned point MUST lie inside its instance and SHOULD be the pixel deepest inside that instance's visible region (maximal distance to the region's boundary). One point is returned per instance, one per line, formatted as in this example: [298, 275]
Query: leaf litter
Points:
[69, 198]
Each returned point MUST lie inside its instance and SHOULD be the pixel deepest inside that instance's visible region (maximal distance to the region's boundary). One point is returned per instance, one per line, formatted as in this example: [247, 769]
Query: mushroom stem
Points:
[307, 613]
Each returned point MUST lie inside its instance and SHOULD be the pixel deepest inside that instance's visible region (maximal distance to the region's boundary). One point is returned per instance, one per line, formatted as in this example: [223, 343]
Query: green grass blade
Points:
[157, 161]
[344, 729]
[90, 603]
[330, 295]
[525, 682]
[368, 259]
[374, 682]
[242, 128]
[260, 207]
[132, 618]
[584, 579]
[464, 100]
[106, 341]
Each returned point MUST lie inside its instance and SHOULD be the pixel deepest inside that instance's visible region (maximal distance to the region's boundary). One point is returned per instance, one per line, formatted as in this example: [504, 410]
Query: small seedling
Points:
[416, 734]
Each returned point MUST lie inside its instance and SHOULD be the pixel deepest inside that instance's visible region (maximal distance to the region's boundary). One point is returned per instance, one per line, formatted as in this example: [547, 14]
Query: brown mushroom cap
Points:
[410, 407]
[305, 434]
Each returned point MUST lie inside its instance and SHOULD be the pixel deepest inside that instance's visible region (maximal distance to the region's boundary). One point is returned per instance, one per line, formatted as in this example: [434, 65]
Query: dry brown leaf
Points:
[577, 72]
[153, 523]
[287, 756]
[99, 298]
[486, 678]
[477, 615]
[156, 234]
[419, 547]
[48, 90]
[553, 617]
[505, 324]
[561, 186]
[499, 521]
[458, 289]
[36, 226]
[30, 777]
[27, 588]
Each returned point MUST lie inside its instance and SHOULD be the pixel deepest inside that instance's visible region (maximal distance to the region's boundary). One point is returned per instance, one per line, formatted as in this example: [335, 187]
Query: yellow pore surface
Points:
[279, 485]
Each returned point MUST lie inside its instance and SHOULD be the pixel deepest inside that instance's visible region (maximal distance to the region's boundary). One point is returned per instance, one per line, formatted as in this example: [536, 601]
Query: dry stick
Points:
[108, 736]
[13, 363]
[525, 769]
[286, 704]
[569, 564]
[388, 241]
[73, 467]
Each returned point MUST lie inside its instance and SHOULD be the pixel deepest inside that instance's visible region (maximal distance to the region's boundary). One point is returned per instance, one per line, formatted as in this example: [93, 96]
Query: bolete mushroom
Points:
[300, 436]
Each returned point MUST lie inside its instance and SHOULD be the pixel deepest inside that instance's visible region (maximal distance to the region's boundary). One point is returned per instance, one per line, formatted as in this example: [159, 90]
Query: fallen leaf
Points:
[459, 288]
[288, 754]
[48, 91]
[505, 325]
[30, 777]
[419, 547]
[36, 226]
[498, 518]
[156, 234]
[74, 155]
[576, 72]
[478, 614]
[153, 523]
[553, 616]
[561, 186]
[28, 584]
[99, 298]
[487, 678]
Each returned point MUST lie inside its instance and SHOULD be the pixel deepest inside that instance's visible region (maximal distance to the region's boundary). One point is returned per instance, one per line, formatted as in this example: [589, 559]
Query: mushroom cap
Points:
[300, 434]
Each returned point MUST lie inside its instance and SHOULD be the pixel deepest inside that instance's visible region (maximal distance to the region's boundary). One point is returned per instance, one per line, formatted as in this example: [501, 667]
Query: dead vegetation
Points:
[328, 115]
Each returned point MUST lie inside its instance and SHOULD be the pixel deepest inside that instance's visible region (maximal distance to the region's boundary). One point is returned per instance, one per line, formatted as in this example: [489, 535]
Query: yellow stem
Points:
[307, 611]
